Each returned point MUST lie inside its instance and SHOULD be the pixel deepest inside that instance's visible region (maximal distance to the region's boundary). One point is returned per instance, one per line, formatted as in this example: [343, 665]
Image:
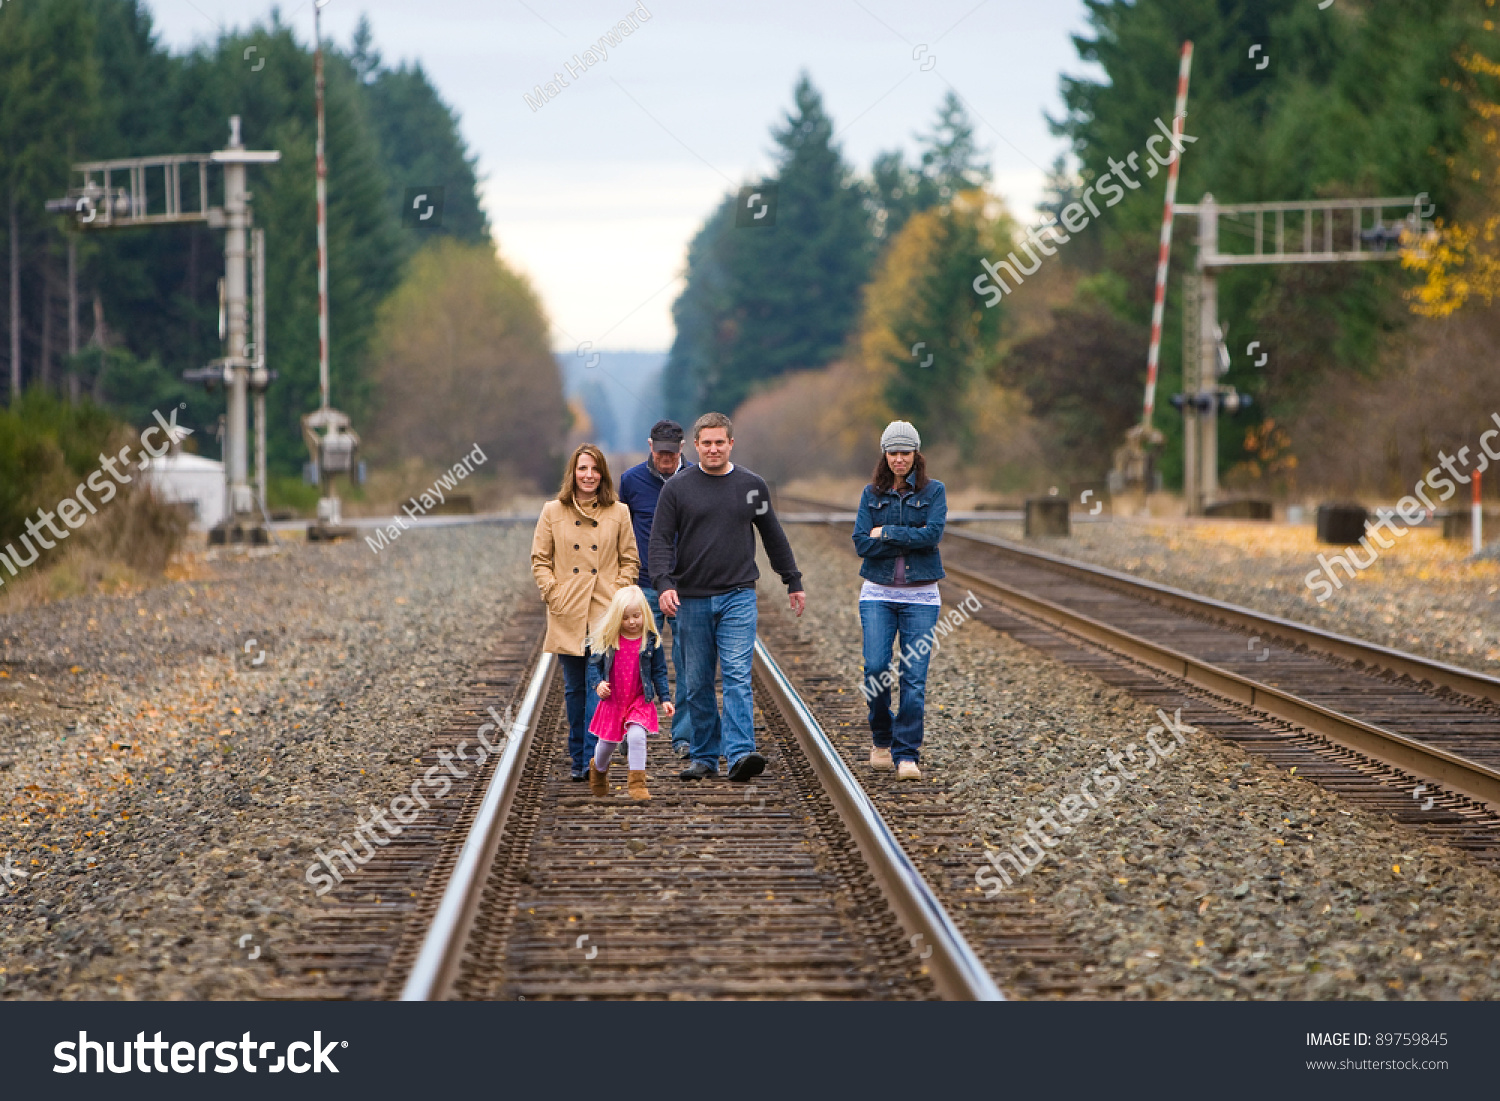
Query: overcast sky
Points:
[597, 194]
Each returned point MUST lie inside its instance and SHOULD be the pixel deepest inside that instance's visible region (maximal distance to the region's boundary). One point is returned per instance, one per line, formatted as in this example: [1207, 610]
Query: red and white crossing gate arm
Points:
[1159, 307]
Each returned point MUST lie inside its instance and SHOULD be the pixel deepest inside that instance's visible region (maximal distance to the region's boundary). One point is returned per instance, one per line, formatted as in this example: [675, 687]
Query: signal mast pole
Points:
[322, 212]
[327, 433]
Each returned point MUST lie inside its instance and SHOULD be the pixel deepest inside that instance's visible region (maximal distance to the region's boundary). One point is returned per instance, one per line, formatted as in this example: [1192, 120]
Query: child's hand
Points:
[671, 708]
[603, 690]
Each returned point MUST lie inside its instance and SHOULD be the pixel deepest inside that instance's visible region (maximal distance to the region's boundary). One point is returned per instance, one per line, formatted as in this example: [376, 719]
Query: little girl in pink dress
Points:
[632, 665]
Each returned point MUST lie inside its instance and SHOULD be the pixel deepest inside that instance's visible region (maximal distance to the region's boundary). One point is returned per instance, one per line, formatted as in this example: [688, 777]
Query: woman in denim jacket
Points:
[900, 523]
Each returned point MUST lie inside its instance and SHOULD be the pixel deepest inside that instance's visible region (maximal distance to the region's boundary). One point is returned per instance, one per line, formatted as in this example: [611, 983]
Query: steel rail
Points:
[438, 960]
[955, 969]
[1370, 654]
[1439, 673]
[1428, 762]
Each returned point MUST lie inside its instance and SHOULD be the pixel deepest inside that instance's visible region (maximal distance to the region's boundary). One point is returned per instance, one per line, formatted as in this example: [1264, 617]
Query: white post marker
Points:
[1476, 522]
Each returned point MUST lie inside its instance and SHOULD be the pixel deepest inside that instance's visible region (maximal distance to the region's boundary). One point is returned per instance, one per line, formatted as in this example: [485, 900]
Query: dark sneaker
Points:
[684, 750]
[747, 768]
[697, 771]
[579, 776]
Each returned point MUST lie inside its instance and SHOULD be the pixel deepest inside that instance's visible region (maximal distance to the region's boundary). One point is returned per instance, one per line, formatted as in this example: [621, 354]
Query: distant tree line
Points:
[89, 80]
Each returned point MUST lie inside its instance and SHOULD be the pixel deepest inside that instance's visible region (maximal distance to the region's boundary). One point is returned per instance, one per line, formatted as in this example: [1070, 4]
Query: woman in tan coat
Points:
[582, 553]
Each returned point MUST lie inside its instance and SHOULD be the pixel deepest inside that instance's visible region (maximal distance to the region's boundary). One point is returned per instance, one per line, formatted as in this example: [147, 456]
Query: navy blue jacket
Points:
[653, 668]
[640, 486]
[911, 523]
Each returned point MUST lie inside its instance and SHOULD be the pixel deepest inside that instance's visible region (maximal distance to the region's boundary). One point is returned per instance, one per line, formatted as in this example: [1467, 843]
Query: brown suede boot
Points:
[636, 787]
[598, 782]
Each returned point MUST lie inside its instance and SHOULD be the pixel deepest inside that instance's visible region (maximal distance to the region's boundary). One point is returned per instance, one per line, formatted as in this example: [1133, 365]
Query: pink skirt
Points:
[610, 718]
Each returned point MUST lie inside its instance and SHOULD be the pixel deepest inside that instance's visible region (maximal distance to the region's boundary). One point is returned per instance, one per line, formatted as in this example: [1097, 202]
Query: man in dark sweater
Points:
[709, 514]
[640, 486]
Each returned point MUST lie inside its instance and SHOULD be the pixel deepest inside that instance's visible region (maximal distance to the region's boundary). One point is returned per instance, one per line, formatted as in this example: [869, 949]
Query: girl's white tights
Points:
[635, 741]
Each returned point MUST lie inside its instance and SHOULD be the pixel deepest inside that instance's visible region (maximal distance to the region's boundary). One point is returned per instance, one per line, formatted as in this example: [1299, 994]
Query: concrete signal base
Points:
[1047, 516]
[1241, 509]
[319, 532]
[239, 533]
[1341, 524]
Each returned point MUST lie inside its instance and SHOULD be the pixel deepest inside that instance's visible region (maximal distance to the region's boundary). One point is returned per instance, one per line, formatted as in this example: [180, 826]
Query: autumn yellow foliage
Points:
[1460, 260]
[461, 357]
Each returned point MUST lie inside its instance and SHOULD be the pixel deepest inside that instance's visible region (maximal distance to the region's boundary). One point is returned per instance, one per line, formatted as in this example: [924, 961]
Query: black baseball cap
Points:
[666, 436]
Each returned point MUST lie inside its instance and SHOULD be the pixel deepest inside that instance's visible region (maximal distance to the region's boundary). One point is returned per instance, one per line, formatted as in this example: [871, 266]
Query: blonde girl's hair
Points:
[607, 632]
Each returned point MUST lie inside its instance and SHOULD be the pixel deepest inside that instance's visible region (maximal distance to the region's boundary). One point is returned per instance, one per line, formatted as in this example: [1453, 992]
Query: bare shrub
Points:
[798, 425]
[138, 530]
[1378, 436]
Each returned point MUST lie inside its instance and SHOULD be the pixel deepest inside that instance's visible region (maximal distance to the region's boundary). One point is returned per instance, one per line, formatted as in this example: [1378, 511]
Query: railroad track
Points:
[363, 932]
[1372, 723]
[789, 887]
[1011, 933]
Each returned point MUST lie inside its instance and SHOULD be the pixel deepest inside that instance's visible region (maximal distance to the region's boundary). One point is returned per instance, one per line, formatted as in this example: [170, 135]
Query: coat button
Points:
[578, 523]
[593, 571]
[575, 546]
[594, 547]
[575, 569]
[595, 523]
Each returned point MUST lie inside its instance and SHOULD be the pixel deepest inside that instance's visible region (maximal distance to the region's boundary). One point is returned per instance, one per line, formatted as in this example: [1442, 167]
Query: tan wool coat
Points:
[581, 556]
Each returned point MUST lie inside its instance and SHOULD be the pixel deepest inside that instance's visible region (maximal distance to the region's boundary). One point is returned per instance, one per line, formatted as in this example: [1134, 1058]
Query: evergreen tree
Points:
[790, 292]
[926, 337]
[89, 80]
[701, 318]
[1060, 190]
[955, 335]
[419, 140]
[951, 161]
[49, 87]
[363, 54]
[894, 193]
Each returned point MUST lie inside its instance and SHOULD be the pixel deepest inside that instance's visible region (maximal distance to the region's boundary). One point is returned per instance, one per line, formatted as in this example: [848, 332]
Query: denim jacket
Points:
[911, 524]
[653, 668]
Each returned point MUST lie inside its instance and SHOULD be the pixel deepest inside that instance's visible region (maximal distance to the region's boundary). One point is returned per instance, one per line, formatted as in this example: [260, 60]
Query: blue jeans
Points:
[882, 620]
[579, 681]
[720, 631]
[682, 722]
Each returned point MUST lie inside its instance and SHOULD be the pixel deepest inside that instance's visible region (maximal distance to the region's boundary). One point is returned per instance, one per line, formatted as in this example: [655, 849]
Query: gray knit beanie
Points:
[900, 436]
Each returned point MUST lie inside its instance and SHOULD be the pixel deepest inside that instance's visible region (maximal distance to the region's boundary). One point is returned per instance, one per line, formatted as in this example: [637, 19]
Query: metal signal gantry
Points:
[1310, 231]
[99, 203]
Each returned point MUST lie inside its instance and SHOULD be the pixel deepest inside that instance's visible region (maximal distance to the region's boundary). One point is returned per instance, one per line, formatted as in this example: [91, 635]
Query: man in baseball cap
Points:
[640, 486]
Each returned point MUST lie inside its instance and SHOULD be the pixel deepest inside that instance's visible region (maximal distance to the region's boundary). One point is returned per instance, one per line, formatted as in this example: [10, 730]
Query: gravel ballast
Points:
[163, 793]
[1211, 875]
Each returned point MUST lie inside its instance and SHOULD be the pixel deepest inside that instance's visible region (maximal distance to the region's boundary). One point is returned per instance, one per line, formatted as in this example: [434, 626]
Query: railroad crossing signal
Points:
[1225, 399]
